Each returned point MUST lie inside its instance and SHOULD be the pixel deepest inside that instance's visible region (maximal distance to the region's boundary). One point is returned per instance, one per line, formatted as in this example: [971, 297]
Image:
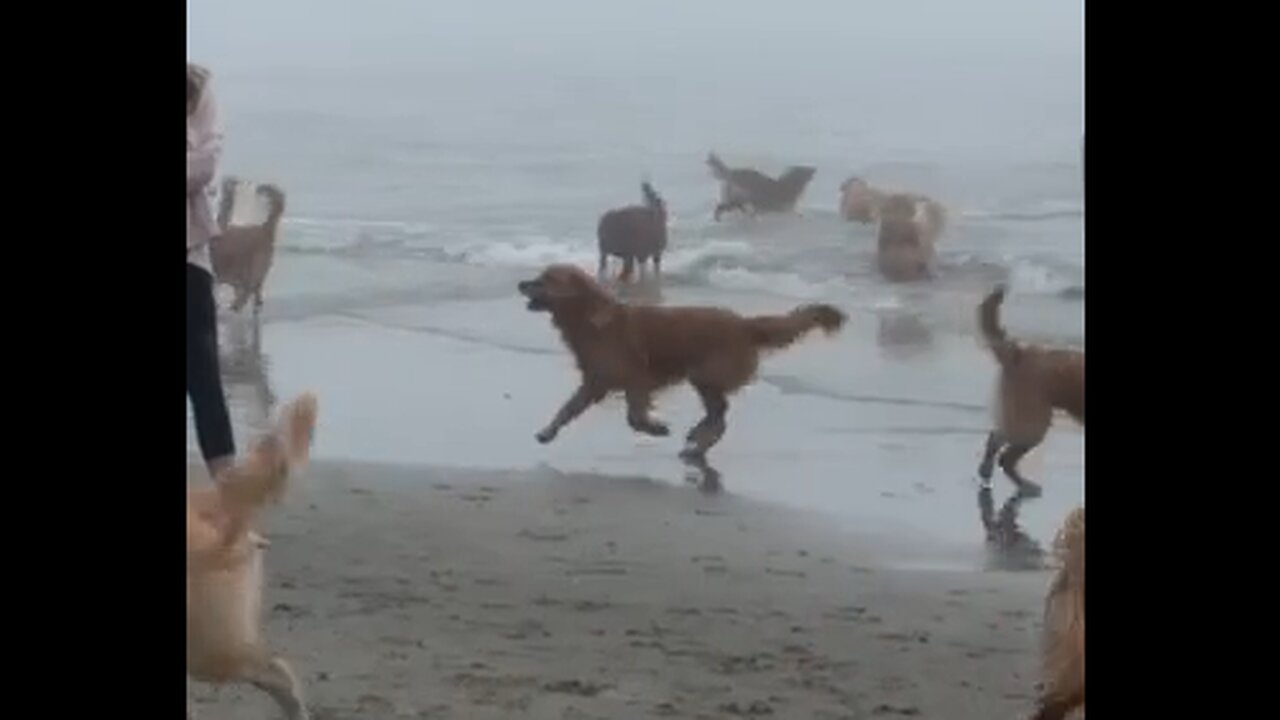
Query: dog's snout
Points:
[524, 286]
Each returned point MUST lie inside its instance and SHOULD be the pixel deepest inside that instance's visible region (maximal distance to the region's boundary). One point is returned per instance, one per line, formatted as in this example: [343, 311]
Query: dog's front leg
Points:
[639, 400]
[585, 396]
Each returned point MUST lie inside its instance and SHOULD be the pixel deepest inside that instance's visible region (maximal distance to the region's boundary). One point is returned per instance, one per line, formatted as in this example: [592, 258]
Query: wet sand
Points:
[403, 592]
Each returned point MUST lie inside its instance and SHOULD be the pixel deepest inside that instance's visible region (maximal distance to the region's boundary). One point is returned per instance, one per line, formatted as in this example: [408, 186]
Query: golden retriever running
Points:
[1034, 381]
[1064, 626]
[640, 350]
[224, 563]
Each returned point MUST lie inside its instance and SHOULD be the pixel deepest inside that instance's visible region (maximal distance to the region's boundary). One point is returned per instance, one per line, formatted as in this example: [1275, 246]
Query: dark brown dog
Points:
[634, 233]
[1063, 669]
[242, 254]
[750, 189]
[640, 350]
[1034, 381]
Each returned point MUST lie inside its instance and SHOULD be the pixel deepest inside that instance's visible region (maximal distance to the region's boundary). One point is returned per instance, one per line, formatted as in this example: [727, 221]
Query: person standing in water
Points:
[204, 380]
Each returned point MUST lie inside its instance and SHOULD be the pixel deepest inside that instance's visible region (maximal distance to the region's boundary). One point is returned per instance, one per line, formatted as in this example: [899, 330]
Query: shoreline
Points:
[449, 593]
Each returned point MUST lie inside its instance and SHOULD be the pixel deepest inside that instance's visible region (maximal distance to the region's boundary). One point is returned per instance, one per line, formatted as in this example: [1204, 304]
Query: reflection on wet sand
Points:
[1008, 546]
[245, 373]
[903, 334]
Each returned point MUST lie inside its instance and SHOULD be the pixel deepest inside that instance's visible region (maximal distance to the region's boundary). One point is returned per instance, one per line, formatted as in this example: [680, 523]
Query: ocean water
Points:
[420, 192]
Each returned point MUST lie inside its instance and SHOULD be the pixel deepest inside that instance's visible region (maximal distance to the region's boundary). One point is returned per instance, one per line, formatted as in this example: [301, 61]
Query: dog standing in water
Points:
[224, 563]
[750, 189]
[1034, 381]
[634, 233]
[640, 350]
[1063, 671]
[242, 254]
[906, 242]
[910, 226]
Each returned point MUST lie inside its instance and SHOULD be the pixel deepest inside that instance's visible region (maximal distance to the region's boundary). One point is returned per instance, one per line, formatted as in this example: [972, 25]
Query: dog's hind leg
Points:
[711, 427]
[988, 465]
[657, 265]
[584, 397]
[639, 400]
[273, 676]
[1009, 464]
[242, 296]
[725, 207]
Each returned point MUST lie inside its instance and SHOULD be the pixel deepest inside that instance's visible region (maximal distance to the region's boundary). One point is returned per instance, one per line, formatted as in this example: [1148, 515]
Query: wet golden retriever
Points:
[242, 254]
[639, 350]
[910, 226]
[224, 563]
[1034, 381]
[906, 241]
[1063, 669]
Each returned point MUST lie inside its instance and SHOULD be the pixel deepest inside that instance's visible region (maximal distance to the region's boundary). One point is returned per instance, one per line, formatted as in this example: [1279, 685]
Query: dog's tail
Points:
[718, 168]
[1064, 618]
[652, 199]
[1005, 350]
[275, 204]
[779, 331]
[263, 474]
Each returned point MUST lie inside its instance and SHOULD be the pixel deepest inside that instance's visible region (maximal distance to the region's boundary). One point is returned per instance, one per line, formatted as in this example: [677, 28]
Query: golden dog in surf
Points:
[910, 226]
[1034, 381]
[224, 563]
[242, 254]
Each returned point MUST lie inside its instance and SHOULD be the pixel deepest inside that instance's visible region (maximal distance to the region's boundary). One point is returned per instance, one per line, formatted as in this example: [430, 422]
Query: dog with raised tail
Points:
[1063, 662]
[225, 563]
[751, 190]
[640, 350]
[242, 254]
[634, 233]
[1034, 382]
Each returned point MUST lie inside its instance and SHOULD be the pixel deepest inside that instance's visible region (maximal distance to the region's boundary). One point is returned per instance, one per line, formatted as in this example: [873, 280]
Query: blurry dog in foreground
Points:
[752, 190]
[224, 563]
[242, 254]
[640, 350]
[1064, 626]
[634, 233]
[1034, 381]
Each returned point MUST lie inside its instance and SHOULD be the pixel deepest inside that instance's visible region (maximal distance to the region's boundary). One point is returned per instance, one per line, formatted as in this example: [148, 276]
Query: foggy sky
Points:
[353, 34]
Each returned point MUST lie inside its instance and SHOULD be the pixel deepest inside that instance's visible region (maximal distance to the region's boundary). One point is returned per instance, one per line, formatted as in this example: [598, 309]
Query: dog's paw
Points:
[657, 429]
[546, 435]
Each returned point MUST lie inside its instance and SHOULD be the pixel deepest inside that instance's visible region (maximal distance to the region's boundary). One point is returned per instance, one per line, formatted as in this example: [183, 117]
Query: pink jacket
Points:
[204, 147]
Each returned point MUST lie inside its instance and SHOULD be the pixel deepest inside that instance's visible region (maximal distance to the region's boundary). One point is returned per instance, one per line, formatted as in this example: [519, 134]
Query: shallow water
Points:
[419, 194]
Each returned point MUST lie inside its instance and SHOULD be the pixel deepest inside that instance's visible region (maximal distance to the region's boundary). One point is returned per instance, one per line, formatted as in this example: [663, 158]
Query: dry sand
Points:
[436, 593]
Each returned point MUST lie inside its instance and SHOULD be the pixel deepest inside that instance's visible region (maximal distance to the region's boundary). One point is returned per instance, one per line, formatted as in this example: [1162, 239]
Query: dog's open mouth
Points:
[533, 291]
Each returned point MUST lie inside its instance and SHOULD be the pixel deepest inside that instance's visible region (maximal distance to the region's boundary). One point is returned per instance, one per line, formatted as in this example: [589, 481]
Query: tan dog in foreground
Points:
[224, 563]
[242, 254]
[1064, 626]
[639, 350]
[1034, 381]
